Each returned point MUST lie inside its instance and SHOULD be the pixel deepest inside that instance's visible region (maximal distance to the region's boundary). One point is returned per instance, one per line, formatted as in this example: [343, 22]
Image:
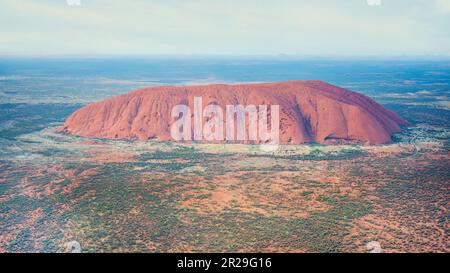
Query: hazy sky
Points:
[319, 27]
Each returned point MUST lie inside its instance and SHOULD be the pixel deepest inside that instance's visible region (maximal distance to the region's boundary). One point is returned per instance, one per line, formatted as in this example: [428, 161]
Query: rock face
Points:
[310, 111]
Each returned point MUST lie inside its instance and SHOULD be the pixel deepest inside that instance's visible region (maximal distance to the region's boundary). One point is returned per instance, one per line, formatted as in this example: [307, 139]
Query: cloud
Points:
[443, 6]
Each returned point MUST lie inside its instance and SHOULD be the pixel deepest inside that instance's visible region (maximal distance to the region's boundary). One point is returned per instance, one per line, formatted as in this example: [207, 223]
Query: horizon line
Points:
[281, 56]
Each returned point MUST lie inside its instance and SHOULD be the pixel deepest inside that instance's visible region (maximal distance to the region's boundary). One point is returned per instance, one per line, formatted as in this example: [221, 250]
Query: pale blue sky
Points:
[237, 27]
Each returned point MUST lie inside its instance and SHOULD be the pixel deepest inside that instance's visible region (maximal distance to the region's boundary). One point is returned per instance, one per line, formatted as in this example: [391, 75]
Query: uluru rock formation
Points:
[309, 111]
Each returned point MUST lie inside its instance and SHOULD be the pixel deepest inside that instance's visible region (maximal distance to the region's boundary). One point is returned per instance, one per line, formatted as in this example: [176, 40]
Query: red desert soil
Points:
[310, 111]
